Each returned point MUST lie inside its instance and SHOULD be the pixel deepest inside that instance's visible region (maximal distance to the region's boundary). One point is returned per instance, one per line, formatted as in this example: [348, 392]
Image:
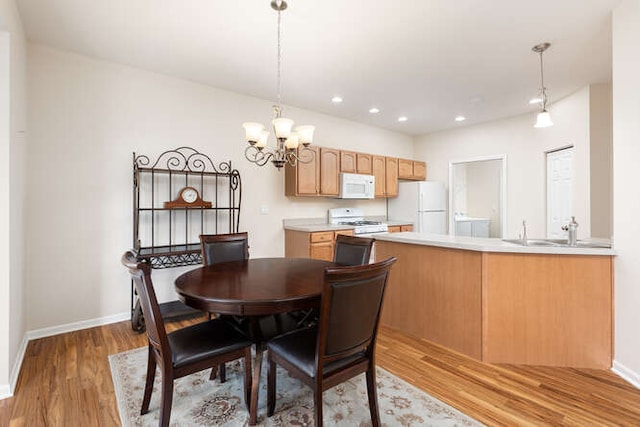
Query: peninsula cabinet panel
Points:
[548, 310]
[364, 163]
[348, 162]
[304, 179]
[329, 172]
[435, 294]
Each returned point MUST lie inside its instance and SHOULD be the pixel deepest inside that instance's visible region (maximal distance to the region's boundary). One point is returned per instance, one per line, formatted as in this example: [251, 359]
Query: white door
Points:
[559, 191]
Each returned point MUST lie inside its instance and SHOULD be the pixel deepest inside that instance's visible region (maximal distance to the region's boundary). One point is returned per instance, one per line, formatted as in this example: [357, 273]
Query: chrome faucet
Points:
[524, 232]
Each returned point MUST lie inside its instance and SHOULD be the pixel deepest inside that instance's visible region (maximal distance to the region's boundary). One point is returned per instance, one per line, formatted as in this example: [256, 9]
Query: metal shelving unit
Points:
[169, 237]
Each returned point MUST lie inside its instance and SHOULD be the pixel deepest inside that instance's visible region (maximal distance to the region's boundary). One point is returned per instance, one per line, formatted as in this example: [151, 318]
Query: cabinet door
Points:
[322, 251]
[304, 179]
[329, 167]
[405, 169]
[394, 229]
[419, 170]
[406, 228]
[378, 168]
[348, 161]
[391, 177]
[364, 163]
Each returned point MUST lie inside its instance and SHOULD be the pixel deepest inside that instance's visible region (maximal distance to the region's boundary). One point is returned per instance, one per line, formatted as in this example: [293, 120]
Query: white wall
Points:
[86, 118]
[483, 193]
[525, 148]
[12, 184]
[626, 152]
[601, 144]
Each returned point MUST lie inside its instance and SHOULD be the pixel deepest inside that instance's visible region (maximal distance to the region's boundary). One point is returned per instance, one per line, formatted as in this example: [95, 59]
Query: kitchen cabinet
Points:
[329, 172]
[408, 227]
[364, 165]
[317, 245]
[412, 170]
[385, 170]
[399, 228]
[304, 178]
[391, 177]
[348, 161]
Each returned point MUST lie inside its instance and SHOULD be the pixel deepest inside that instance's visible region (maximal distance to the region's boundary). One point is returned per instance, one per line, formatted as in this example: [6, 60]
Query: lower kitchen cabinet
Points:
[316, 245]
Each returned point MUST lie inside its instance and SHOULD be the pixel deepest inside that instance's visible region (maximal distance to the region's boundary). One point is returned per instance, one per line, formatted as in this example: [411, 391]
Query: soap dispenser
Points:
[572, 229]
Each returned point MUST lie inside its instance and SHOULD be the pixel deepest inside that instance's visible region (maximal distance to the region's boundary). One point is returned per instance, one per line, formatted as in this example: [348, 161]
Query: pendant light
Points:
[543, 119]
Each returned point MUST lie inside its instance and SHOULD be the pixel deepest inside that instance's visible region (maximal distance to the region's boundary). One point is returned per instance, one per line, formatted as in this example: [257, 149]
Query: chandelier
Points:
[543, 119]
[287, 141]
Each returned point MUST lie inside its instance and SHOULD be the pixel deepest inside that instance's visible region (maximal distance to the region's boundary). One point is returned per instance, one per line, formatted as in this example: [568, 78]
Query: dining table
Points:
[254, 288]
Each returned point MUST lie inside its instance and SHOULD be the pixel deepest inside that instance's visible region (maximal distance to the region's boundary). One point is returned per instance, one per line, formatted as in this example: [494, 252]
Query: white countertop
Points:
[485, 244]
[312, 225]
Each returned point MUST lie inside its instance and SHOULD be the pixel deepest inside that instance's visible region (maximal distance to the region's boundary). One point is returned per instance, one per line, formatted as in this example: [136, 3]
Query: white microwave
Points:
[357, 186]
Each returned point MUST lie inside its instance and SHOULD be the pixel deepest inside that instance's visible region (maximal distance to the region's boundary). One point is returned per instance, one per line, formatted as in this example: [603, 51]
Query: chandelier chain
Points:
[279, 66]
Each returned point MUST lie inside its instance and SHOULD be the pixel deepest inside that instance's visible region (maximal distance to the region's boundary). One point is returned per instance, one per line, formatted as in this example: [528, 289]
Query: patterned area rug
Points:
[197, 401]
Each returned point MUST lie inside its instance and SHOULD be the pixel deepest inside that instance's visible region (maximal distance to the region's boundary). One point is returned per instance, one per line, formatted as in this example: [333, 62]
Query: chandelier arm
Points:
[254, 155]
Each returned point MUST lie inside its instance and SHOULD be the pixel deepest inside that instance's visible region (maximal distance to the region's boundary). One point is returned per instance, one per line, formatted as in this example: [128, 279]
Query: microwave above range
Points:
[357, 186]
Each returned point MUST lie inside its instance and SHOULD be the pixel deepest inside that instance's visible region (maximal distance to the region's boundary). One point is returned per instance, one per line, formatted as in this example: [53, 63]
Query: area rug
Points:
[197, 401]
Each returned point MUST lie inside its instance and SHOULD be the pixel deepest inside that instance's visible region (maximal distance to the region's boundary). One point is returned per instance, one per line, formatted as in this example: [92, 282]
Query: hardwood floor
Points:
[66, 381]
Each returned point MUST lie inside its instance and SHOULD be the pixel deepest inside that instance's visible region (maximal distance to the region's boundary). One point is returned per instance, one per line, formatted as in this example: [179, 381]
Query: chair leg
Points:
[214, 372]
[373, 395]
[317, 402]
[271, 387]
[223, 372]
[148, 387]
[247, 378]
[167, 397]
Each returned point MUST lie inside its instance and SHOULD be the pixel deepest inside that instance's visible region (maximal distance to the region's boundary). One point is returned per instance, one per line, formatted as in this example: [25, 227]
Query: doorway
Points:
[477, 196]
[559, 191]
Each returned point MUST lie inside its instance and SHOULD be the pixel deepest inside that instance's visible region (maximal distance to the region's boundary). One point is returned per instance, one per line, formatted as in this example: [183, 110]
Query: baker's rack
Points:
[168, 237]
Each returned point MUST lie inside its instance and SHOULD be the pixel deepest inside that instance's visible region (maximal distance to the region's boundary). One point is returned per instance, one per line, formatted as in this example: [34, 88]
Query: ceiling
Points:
[429, 60]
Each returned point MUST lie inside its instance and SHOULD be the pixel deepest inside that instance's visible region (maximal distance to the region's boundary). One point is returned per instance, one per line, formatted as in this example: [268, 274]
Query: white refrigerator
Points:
[423, 203]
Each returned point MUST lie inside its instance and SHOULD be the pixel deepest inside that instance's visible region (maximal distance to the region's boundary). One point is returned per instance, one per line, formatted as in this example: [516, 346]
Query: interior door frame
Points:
[546, 178]
[503, 189]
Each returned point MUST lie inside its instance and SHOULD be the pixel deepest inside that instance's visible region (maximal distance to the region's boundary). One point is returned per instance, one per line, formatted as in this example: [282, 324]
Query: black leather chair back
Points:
[140, 272]
[351, 303]
[218, 248]
[352, 250]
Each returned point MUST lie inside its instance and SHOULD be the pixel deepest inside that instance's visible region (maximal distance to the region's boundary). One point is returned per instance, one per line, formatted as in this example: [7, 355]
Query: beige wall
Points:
[12, 190]
[626, 152]
[601, 142]
[525, 148]
[483, 193]
[86, 118]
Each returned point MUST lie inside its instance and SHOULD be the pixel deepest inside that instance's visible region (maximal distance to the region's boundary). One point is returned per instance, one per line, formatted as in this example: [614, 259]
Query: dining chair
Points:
[217, 248]
[184, 351]
[349, 250]
[342, 345]
[352, 250]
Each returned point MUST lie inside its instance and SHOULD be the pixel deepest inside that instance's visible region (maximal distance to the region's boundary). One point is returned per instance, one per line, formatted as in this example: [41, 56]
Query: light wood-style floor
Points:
[66, 381]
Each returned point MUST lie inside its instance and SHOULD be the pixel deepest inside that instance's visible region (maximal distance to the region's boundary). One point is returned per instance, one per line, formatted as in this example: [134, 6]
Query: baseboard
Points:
[15, 372]
[6, 390]
[70, 327]
[626, 374]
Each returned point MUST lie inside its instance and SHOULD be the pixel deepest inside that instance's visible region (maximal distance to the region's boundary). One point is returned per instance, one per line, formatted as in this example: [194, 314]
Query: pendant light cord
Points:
[543, 93]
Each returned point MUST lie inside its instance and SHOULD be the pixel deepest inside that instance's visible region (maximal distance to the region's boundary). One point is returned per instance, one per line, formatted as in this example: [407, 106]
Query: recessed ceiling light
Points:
[374, 110]
[402, 119]
[336, 99]
[535, 101]
[460, 118]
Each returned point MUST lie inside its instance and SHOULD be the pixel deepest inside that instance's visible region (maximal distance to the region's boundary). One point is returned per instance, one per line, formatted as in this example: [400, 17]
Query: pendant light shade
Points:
[543, 120]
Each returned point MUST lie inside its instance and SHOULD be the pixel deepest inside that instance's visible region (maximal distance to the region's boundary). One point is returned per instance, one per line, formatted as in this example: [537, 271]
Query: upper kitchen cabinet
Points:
[304, 178]
[385, 170]
[329, 172]
[412, 170]
[348, 161]
[363, 162]
[320, 177]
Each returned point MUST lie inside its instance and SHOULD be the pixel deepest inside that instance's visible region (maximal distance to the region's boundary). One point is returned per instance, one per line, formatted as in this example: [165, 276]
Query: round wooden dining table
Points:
[254, 287]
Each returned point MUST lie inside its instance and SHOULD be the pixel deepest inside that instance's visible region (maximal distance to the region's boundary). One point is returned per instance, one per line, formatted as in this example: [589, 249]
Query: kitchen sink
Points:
[557, 243]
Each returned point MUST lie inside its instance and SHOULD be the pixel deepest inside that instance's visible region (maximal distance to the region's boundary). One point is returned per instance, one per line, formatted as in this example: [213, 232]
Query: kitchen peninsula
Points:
[500, 302]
